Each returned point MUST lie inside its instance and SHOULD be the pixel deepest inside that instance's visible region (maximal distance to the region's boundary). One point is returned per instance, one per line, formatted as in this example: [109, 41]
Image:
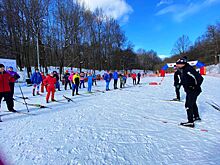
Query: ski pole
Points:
[24, 98]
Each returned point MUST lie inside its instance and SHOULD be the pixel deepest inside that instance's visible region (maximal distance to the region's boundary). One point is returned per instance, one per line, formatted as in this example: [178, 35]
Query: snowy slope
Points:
[117, 127]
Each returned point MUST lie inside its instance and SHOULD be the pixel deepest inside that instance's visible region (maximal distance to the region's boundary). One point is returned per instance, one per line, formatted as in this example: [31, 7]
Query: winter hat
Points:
[181, 61]
[1, 65]
[10, 67]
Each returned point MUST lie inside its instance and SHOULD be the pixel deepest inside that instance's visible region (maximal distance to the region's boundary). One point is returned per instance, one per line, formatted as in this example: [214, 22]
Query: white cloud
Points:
[164, 2]
[162, 56]
[118, 9]
[181, 10]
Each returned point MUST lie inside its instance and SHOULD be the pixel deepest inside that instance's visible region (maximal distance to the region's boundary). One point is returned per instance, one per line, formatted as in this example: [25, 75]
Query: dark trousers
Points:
[134, 81]
[82, 83]
[66, 83]
[190, 104]
[177, 89]
[12, 87]
[75, 87]
[138, 80]
[94, 82]
[115, 83]
[8, 99]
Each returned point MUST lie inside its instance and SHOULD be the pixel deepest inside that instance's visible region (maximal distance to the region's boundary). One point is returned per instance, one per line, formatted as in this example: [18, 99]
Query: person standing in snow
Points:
[107, 80]
[121, 80]
[177, 84]
[36, 80]
[55, 75]
[42, 84]
[5, 90]
[14, 77]
[94, 77]
[82, 80]
[66, 80]
[124, 79]
[50, 83]
[134, 76]
[90, 80]
[115, 77]
[191, 81]
[75, 83]
[139, 77]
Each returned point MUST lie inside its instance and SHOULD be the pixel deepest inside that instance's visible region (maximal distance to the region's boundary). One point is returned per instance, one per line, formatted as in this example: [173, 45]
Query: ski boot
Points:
[188, 124]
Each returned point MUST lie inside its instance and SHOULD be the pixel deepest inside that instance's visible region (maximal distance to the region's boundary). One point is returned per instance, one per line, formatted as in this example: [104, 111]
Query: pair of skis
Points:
[174, 123]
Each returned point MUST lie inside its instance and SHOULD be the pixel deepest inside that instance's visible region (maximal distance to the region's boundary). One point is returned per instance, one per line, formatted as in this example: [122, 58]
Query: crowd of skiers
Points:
[75, 80]
[185, 76]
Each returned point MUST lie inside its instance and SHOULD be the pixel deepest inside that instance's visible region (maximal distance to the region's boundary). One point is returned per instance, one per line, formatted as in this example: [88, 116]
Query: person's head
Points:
[51, 74]
[37, 70]
[2, 67]
[181, 63]
[54, 72]
[10, 68]
[67, 71]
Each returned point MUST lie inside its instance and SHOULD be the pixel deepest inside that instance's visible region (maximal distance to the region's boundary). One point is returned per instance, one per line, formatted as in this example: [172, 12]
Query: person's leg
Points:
[9, 101]
[42, 88]
[34, 88]
[190, 101]
[83, 84]
[177, 93]
[48, 94]
[77, 87]
[1, 96]
[73, 89]
[80, 84]
[53, 92]
[58, 85]
[38, 89]
[70, 84]
[65, 85]
[12, 86]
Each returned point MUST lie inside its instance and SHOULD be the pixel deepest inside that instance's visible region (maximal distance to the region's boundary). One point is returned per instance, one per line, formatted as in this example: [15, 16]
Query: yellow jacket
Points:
[76, 78]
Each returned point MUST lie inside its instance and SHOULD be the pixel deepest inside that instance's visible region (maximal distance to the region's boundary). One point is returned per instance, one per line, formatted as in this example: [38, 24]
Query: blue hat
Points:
[10, 67]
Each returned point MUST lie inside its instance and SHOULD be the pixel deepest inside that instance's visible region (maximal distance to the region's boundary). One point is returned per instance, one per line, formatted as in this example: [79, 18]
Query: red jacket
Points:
[5, 78]
[50, 82]
[134, 75]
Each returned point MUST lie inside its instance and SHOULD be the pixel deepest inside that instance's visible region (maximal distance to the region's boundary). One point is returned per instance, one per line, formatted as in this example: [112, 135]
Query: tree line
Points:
[206, 47]
[65, 33]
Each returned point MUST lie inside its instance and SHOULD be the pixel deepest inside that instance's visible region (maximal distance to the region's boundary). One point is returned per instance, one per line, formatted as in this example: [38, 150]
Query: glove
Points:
[177, 86]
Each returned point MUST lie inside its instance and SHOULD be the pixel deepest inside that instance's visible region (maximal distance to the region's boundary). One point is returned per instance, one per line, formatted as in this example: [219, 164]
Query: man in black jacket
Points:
[191, 81]
[177, 84]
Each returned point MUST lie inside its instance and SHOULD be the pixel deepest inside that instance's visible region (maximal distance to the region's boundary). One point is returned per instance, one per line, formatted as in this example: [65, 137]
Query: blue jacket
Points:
[115, 75]
[89, 79]
[107, 77]
[36, 78]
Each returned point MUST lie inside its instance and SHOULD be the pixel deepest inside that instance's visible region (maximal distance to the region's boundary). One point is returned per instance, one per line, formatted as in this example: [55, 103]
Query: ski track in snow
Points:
[116, 127]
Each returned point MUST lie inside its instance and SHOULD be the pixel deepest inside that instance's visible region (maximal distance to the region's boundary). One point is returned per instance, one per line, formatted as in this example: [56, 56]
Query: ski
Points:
[178, 101]
[214, 106]
[25, 98]
[99, 91]
[68, 99]
[174, 123]
[35, 105]
[19, 112]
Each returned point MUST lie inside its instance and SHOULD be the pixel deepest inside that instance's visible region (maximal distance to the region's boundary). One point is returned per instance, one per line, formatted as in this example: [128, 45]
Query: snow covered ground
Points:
[134, 125]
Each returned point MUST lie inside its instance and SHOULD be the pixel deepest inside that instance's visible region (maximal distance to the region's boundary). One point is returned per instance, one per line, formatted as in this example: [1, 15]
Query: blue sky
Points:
[157, 24]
